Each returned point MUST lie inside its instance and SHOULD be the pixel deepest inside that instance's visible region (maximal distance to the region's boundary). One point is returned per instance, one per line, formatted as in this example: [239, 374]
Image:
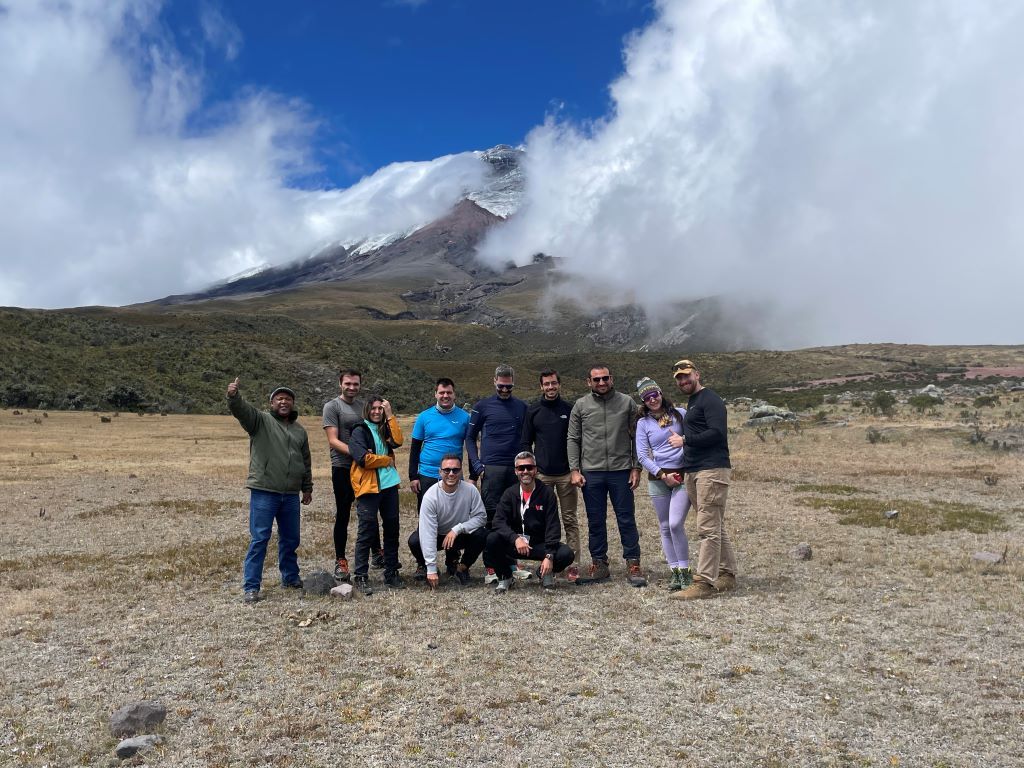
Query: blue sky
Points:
[391, 81]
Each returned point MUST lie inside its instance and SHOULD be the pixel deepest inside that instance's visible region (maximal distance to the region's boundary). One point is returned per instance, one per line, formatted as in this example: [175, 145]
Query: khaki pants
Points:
[708, 490]
[567, 496]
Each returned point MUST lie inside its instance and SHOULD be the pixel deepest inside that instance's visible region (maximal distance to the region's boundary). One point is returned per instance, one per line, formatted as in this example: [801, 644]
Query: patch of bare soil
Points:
[120, 556]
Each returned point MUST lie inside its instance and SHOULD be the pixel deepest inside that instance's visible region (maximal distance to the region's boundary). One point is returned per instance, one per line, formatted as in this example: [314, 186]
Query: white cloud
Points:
[107, 196]
[854, 167]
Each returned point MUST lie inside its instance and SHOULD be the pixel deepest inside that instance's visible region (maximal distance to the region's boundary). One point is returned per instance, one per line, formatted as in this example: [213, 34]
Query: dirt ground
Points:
[120, 556]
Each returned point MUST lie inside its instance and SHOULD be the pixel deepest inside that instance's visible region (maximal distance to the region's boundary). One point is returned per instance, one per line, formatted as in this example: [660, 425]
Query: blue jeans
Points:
[264, 508]
[601, 486]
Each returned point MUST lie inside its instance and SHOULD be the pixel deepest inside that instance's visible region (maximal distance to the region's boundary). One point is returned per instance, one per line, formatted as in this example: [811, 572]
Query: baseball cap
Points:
[683, 367]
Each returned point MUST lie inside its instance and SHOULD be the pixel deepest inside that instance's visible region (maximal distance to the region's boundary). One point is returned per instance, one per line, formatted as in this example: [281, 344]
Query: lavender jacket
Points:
[652, 447]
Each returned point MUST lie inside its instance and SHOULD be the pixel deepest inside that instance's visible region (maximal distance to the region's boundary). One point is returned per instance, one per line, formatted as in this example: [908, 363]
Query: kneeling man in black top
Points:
[526, 526]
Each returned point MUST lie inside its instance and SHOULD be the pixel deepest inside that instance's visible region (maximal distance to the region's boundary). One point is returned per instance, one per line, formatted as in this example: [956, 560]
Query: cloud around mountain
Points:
[839, 172]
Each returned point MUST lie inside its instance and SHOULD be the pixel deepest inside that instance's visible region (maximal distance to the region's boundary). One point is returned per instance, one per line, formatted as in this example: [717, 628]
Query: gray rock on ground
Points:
[136, 718]
[318, 583]
[991, 558]
[802, 551]
[129, 747]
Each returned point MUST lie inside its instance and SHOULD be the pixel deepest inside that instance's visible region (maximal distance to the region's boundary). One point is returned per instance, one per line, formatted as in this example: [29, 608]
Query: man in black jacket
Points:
[545, 432]
[707, 473]
[526, 526]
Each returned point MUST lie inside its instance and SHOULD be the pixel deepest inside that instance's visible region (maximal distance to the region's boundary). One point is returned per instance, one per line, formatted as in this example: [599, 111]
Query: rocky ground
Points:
[120, 552]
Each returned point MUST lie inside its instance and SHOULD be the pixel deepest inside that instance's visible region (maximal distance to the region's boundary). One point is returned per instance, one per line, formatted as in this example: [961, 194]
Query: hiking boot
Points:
[599, 570]
[421, 573]
[699, 590]
[635, 576]
[251, 596]
[462, 575]
[572, 572]
[293, 584]
[725, 582]
[451, 568]
[490, 576]
[393, 580]
[547, 580]
[363, 585]
[521, 573]
[676, 582]
[685, 577]
[341, 572]
[377, 561]
[504, 585]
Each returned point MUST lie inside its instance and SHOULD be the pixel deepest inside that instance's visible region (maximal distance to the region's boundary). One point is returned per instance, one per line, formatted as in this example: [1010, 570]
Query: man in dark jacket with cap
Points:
[279, 468]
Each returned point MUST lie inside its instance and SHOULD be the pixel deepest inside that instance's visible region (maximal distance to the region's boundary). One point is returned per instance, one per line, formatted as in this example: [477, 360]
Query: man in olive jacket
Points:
[279, 467]
[602, 462]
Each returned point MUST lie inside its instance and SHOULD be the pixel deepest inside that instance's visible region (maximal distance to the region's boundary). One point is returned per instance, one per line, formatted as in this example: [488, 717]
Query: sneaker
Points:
[393, 580]
[293, 584]
[635, 577]
[699, 590]
[363, 585]
[377, 561]
[547, 580]
[490, 577]
[725, 582]
[685, 577]
[421, 573]
[462, 575]
[521, 573]
[341, 572]
[572, 572]
[504, 585]
[676, 582]
[251, 596]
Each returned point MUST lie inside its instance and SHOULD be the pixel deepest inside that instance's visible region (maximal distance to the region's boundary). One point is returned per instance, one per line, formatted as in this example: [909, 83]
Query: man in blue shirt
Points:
[438, 431]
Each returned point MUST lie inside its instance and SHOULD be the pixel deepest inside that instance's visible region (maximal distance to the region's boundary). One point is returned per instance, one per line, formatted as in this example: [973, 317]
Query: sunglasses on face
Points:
[451, 470]
[651, 396]
[504, 387]
[599, 379]
[526, 467]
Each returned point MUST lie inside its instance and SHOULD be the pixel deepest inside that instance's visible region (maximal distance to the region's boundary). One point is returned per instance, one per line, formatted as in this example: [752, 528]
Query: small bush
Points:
[986, 401]
[875, 436]
[922, 403]
[883, 402]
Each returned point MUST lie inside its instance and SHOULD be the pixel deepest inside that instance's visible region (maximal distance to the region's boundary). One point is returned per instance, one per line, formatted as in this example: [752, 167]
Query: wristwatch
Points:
[549, 556]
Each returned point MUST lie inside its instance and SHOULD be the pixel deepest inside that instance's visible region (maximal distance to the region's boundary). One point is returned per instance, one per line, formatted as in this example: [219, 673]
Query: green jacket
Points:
[279, 458]
[602, 433]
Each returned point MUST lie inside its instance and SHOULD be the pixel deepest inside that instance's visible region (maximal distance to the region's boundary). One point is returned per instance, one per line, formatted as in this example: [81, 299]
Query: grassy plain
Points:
[120, 552]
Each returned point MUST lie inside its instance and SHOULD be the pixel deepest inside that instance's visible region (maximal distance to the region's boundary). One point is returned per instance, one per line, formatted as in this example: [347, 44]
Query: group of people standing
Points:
[525, 466]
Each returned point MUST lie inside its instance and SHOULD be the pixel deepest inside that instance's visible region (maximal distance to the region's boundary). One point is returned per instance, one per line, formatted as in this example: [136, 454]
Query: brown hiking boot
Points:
[635, 577]
[725, 582]
[599, 570]
[696, 591]
[341, 572]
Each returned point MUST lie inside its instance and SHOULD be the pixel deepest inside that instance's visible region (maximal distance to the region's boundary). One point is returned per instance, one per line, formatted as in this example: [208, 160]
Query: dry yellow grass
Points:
[120, 557]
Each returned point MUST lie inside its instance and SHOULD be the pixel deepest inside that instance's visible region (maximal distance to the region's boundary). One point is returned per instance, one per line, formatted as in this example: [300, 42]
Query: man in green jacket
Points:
[279, 467]
[603, 463]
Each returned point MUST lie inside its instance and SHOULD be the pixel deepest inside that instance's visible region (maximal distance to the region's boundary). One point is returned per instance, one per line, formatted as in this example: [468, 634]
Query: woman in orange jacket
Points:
[375, 481]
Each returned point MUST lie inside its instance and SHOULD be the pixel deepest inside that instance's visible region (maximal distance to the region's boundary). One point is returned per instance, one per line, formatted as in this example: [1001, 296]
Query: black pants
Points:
[425, 483]
[497, 479]
[501, 554]
[343, 498]
[470, 544]
[368, 506]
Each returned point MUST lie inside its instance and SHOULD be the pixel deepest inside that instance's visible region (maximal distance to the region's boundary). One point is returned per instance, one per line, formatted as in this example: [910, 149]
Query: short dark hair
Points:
[349, 372]
[451, 457]
[550, 372]
[444, 381]
[598, 366]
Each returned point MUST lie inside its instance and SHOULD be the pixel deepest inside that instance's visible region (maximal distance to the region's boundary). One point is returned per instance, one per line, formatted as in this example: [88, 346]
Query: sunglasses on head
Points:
[451, 470]
[600, 378]
[525, 467]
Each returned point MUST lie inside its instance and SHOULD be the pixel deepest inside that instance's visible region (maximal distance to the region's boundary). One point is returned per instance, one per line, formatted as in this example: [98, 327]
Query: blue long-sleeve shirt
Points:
[499, 425]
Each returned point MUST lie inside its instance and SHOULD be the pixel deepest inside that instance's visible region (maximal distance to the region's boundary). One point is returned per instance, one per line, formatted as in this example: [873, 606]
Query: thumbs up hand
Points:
[233, 388]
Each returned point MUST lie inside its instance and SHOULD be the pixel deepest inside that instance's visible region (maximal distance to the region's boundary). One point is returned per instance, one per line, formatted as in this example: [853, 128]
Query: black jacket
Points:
[706, 428]
[541, 524]
[545, 432]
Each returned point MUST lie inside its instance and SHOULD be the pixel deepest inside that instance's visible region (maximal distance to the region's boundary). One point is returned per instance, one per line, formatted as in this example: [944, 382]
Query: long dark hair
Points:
[666, 405]
[385, 427]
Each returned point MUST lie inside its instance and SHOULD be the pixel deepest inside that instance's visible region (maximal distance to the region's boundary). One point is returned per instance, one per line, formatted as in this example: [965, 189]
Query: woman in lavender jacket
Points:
[657, 419]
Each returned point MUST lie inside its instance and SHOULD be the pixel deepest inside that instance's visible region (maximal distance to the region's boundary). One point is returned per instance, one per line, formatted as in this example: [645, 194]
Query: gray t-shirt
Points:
[343, 417]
